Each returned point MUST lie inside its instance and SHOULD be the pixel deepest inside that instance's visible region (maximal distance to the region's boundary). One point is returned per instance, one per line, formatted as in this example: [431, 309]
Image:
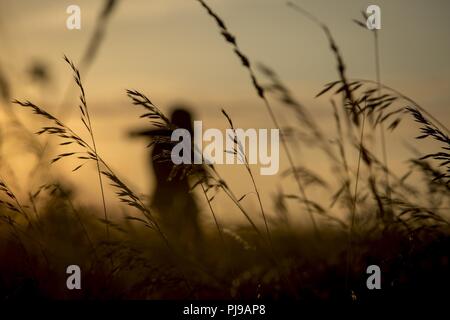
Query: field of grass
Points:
[372, 217]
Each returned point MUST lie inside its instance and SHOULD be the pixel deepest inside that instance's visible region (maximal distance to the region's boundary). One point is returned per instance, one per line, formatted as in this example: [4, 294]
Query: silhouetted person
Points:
[176, 206]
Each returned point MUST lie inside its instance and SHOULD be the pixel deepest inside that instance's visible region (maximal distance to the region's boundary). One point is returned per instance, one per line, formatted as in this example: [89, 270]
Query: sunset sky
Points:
[172, 51]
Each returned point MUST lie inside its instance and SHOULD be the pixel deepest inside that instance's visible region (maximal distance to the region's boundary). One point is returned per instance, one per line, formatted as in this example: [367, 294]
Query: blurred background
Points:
[173, 52]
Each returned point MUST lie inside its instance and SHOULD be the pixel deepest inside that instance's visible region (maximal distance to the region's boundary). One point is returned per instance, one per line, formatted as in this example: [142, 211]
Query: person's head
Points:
[181, 118]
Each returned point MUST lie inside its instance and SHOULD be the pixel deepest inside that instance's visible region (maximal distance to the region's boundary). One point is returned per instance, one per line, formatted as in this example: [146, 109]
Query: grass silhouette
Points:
[373, 216]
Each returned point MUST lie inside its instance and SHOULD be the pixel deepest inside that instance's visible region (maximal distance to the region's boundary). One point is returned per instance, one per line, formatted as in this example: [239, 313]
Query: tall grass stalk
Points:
[381, 129]
[404, 97]
[70, 137]
[239, 151]
[219, 228]
[381, 124]
[90, 52]
[354, 205]
[261, 94]
[86, 119]
[16, 207]
[355, 110]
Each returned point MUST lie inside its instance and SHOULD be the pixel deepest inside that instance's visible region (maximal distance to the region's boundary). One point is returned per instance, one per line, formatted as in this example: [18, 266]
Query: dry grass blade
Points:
[355, 108]
[238, 148]
[312, 130]
[12, 203]
[153, 113]
[308, 177]
[261, 93]
[230, 38]
[86, 119]
[99, 32]
[430, 130]
[64, 132]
